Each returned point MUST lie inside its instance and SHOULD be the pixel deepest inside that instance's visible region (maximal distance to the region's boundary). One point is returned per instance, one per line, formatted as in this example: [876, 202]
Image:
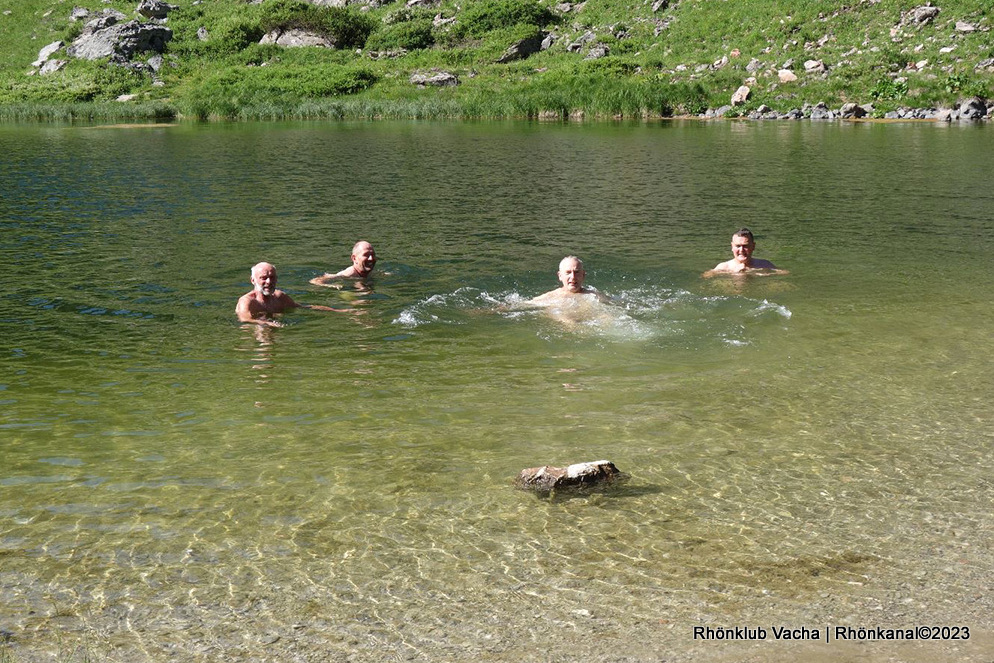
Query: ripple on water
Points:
[657, 314]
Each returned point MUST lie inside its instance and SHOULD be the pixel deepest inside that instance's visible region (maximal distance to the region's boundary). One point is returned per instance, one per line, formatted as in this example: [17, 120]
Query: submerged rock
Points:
[548, 478]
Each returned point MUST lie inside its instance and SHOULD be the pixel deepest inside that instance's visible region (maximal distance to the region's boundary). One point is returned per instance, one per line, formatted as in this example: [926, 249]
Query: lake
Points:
[804, 450]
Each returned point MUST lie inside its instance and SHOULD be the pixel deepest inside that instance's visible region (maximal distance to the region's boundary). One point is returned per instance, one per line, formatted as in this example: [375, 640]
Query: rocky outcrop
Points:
[440, 79]
[547, 478]
[597, 51]
[920, 15]
[46, 52]
[522, 49]
[295, 38]
[106, 37]
[154, 8]
[741, 95]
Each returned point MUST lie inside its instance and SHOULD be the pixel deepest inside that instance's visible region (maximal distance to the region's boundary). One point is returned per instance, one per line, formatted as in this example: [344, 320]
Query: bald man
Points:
[264, 301]
[571, 275]
[363, 261]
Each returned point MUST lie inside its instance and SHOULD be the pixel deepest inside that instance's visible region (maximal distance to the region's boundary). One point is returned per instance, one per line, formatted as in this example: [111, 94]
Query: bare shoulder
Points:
[720, 268]
[546, 298]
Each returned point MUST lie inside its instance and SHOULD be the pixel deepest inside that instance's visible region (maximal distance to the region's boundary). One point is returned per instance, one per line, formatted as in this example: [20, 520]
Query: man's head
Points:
[264, 278]
[571, 273]
[363, 257]
[743, 244]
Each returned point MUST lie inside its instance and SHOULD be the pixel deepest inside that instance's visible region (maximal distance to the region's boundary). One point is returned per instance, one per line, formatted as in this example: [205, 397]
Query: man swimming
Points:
[265, 301]
[571, 274]
[363, 261]
[743, 244]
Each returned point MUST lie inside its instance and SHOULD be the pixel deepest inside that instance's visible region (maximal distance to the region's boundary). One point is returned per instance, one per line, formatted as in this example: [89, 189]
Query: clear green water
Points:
[809, 449]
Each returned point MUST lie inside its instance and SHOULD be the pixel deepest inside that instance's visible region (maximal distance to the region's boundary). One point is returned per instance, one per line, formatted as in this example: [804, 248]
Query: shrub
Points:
[485, 16]
[349, 27]
[411, 35]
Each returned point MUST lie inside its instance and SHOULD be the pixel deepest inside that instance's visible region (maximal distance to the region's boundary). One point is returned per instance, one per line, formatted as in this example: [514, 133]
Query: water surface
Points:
[803, 450]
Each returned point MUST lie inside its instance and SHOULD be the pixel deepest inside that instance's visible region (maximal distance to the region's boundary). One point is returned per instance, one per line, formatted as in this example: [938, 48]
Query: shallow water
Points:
[809, 449]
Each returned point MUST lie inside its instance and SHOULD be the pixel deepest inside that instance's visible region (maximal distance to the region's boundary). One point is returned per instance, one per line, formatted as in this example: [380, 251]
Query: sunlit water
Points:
[802, 450]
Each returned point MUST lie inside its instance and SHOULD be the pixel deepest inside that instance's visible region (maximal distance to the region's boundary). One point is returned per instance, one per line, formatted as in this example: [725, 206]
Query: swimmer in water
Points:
[265, 301]
[571, 275]
[742, 262]
[363, 261]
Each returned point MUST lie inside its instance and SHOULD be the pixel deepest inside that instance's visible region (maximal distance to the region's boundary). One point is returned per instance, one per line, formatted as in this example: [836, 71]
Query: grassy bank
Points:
[682, 58]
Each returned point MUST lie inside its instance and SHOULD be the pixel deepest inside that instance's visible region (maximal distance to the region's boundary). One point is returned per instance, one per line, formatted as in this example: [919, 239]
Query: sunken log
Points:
[547, 478]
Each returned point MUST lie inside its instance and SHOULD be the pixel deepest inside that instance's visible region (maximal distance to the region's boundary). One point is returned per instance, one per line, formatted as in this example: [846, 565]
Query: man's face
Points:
[264, 280]
[364, 258]
[742, 248]
[571, 275]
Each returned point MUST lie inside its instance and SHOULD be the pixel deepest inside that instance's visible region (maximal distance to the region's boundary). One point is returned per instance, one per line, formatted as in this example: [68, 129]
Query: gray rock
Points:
[794, 114]
[78, 14]
[815, 67]
[154, 8]
[46, 53]
[851, 110]
[441, 79]
[422, 3]
[963, 26]
[52, 66]
[296, 38]
[920, 15]
[741, 95]
[820, 111]
[549, 40]
[660, 4]
[718, 112]
[987, 64]
[943, 115]
[597, 51]
[786, 76]
[202, 34]
[754, 66]
[155, 63]
[578, 45]
[522, 49]
[892, 115]
[547, 478]
[972, 109]
[104, 37]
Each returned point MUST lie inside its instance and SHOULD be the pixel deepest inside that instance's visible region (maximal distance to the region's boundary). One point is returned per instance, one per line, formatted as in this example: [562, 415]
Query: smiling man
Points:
[743, 244]
[363, 261]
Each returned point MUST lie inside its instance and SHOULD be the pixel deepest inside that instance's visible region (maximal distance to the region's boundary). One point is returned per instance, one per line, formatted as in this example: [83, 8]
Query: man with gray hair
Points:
[264, 301]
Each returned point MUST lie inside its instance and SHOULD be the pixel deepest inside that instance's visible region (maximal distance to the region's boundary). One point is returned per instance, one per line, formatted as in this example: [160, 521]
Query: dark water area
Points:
[810, 449]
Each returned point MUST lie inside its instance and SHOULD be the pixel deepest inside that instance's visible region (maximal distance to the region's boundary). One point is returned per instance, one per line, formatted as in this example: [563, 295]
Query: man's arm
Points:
[318, 307]
[324, 280]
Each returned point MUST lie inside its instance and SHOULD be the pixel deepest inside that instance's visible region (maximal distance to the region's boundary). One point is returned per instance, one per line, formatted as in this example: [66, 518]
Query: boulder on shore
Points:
[548, 478]
[104, 37]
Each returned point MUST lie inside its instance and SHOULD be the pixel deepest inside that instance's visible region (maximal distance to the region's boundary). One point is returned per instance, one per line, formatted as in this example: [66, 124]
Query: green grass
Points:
[659, 64]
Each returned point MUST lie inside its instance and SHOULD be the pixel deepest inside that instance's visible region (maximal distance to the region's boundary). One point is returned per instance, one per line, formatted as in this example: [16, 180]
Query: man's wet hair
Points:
[745, 232]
